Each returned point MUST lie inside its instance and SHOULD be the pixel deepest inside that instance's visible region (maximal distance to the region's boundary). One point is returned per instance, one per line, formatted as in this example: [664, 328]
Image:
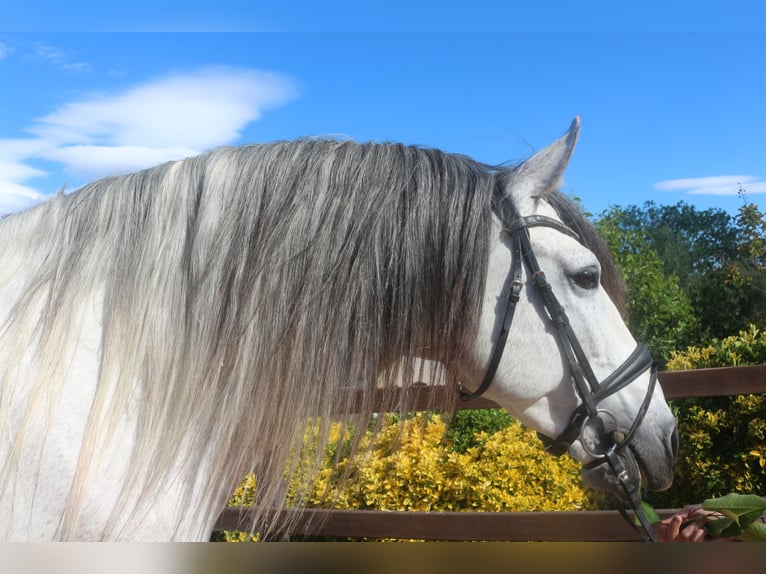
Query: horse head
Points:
[552, 347]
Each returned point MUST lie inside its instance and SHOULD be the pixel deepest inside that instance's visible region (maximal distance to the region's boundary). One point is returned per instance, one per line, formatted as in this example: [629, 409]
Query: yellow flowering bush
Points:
[409, 465]
[414, 464]
[746, 348]
[723, 439]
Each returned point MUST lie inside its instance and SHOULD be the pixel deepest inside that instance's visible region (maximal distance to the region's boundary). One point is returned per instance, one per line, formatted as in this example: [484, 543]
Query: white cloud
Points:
[96, 160]
[13, 153]
[14, 197]
[14, 172]
[195, 110]
[61, 59]
[714, 185]
[162, 120]
[51, 53]
[4, 50]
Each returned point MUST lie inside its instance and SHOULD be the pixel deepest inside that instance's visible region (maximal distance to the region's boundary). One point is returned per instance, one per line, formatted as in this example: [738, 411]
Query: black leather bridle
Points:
[588, 423]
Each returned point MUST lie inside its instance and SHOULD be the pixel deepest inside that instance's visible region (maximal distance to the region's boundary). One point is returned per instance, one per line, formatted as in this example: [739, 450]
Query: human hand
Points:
[686, 526]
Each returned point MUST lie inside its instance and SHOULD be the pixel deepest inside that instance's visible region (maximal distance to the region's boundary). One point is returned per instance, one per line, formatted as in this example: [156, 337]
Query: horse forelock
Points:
[253, 289]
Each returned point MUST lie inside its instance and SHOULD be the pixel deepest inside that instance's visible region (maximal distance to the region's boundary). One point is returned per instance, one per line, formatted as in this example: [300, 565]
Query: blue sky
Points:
[671, 100]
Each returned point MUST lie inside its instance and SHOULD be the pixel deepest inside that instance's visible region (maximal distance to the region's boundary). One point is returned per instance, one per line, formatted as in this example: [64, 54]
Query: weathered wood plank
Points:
[490, 526]
[716, 382]
[722, 381]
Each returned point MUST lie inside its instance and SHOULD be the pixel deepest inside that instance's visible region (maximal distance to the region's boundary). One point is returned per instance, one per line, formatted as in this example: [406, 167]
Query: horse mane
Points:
[256, 290]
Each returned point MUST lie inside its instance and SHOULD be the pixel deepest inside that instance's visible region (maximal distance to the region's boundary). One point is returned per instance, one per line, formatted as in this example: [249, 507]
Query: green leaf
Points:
[731, 515]
[756, 531]
[725, 527]
[742, 508]
[740, 512]
[651, 514]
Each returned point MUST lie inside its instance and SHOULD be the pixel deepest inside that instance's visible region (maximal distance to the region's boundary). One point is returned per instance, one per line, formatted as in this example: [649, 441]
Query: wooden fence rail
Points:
[561, 526]
[507, 526]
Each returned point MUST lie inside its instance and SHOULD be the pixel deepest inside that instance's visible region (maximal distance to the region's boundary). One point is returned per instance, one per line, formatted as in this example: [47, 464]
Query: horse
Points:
[165, 332]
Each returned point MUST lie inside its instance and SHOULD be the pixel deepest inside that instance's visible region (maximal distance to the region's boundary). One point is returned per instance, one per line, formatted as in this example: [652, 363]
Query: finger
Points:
[699, 535]
[674, 527]
[692, 533]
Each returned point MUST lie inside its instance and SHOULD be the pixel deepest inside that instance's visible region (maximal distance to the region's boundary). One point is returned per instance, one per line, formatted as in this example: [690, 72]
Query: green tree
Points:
[689, 242]
[717, 260]
[732, 294]
[751, 224]
[659, 310]
[721, 298]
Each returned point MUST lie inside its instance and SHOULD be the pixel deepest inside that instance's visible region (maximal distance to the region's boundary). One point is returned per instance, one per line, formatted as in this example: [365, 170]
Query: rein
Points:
[588, 423]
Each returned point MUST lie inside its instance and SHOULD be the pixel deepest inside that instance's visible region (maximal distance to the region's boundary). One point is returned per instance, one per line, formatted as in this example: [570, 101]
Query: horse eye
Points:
[587, 279]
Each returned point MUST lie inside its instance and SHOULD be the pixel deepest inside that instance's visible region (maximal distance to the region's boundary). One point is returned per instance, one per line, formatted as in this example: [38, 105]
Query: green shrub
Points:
[723, 439]
[465, 426]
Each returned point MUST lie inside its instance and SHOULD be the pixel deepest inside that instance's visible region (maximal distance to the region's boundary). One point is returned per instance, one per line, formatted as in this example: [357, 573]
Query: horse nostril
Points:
[674, 442]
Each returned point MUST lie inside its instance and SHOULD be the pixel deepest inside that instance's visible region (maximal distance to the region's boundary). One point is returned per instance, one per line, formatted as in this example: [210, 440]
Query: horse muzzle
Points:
[648, 461]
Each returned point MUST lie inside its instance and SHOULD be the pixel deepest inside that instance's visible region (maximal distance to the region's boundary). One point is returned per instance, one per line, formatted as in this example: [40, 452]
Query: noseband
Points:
[589, 424]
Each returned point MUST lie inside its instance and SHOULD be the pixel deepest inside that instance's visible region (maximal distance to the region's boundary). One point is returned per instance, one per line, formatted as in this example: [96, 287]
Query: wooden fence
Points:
[508, 526]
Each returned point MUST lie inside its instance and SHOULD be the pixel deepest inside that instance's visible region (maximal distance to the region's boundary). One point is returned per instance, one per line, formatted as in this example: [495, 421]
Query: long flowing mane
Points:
[242, 294]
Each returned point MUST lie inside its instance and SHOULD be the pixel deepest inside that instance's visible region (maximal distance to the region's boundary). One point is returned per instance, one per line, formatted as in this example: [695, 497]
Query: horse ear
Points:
[542, 172]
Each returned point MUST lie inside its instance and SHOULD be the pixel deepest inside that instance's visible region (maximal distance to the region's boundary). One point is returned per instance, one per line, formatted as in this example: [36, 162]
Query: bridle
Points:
[589, 424]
